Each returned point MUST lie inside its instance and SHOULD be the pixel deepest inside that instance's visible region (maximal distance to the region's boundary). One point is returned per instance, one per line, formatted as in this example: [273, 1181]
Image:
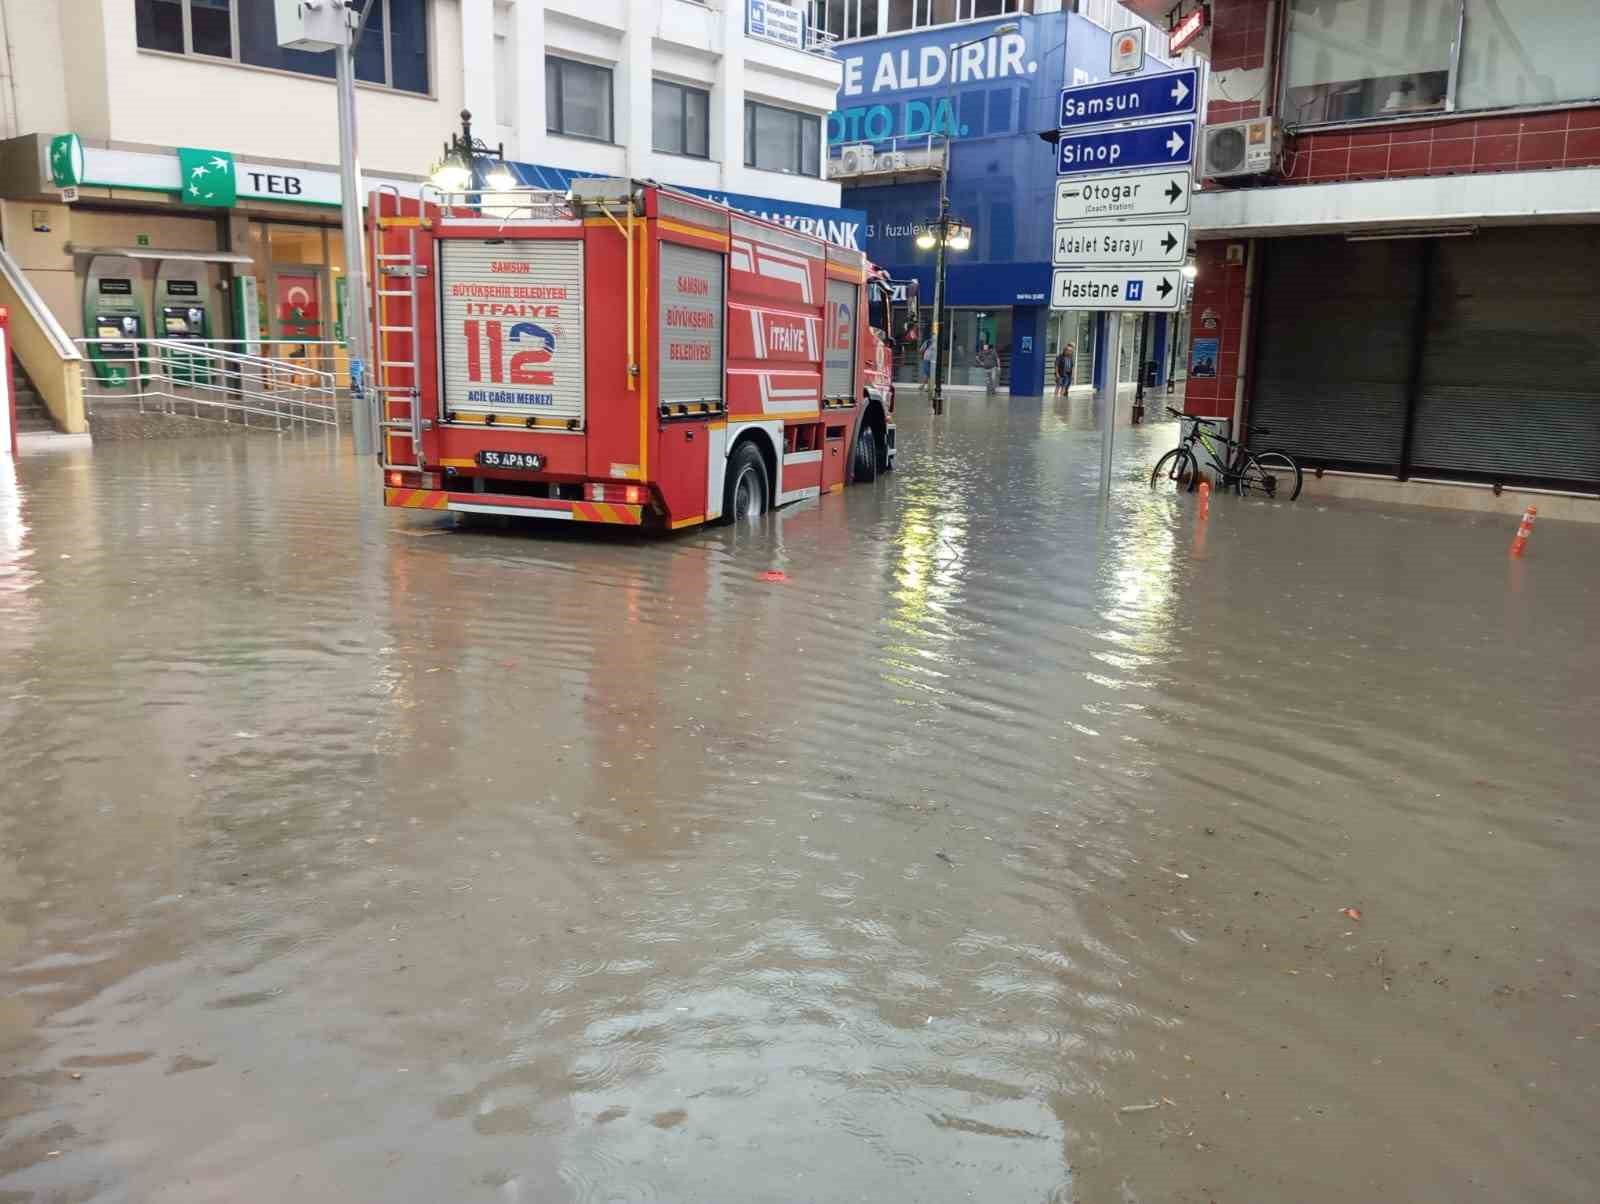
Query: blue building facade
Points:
[909, 91]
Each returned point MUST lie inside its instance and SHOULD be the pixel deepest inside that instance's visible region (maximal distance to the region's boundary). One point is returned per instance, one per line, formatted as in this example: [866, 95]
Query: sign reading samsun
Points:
[513, 328]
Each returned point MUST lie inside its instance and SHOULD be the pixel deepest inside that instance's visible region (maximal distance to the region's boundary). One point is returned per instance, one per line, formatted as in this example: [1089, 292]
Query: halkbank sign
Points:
[904, 84]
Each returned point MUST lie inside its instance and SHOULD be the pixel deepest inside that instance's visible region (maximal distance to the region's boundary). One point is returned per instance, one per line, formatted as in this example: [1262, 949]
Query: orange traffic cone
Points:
[1205, 499]
[1524, 530]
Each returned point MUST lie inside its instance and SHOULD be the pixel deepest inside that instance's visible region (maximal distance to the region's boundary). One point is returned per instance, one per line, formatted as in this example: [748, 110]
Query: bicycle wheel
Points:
[1270, 475]
[1282, 465]
[1177, 470]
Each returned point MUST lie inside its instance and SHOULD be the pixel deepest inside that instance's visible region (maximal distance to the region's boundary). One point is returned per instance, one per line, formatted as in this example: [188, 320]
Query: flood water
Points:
[1001, 853]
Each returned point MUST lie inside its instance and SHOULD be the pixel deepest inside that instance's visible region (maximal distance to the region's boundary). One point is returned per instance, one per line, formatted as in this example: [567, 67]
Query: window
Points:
[393, 51]
[158, 24]
[1528, 53]
[681, 120]
[782, 140]
[914, 14]
[577, 99]
[1349, 60]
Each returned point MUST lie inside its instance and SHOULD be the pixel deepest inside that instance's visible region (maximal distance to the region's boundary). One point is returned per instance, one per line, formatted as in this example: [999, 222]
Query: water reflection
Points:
[997, 853]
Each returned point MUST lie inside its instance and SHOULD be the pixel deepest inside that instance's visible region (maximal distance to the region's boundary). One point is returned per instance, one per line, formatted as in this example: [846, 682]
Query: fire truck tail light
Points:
[397, 479]
[632, 495]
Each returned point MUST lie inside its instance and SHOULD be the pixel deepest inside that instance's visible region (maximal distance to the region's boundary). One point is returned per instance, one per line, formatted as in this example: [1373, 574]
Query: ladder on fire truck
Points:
[399, 381]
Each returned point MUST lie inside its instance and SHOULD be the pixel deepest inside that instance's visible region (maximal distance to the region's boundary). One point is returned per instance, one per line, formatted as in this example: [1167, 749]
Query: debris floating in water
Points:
[774, 575]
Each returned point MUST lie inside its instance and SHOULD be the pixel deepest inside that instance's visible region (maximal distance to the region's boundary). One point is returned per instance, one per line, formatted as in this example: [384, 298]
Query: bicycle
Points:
[1272, 474]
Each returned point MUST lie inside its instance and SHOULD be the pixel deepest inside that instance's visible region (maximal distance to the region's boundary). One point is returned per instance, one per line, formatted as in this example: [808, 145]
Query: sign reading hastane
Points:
[512, 318]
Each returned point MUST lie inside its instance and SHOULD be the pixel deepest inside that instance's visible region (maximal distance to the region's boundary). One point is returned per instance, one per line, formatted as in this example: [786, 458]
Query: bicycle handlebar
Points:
[1194, 418]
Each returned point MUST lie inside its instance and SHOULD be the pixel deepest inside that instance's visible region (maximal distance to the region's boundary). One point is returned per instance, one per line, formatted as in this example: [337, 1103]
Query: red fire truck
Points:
[623, 353]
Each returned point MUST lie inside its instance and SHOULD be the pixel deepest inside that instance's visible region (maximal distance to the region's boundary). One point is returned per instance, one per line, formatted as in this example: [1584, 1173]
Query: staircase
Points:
[31, 412]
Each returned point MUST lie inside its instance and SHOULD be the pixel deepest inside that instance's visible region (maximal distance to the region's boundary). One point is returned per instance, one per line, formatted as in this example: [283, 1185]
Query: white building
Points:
[673, 90]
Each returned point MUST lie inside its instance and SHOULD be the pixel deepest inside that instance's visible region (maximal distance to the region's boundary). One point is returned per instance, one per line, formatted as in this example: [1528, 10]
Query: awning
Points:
[1506, 198]
[160, 253]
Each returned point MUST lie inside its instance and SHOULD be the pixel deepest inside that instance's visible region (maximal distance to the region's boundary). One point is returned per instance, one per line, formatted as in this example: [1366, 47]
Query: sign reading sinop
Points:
[889, 72]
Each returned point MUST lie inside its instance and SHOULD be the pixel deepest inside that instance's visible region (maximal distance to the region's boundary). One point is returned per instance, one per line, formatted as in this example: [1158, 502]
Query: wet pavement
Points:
[1001, 853]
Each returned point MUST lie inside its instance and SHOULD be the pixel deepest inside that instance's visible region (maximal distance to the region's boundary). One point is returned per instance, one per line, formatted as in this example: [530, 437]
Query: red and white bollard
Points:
[1205, 499]
[1524, 530]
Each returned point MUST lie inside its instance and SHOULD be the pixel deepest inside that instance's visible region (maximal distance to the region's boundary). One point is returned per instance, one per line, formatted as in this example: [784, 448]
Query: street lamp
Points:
[953, 235]
[458, 170]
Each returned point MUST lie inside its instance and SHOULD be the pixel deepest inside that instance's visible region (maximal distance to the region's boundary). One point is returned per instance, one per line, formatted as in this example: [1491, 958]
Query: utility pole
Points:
[363, 421]
[937, 379]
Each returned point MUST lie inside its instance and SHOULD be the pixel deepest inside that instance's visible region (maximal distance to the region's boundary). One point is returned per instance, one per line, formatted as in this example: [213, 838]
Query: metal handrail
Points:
[519, 204]
[163, 374]
[41, 313]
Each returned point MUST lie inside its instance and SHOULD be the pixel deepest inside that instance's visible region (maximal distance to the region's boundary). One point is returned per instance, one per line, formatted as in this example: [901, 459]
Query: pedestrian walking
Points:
[927, 364]
[1066, 360]
[989, 361]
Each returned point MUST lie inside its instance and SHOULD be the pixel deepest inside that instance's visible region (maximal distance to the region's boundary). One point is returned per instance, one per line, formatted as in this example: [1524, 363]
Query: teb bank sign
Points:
[934, 63]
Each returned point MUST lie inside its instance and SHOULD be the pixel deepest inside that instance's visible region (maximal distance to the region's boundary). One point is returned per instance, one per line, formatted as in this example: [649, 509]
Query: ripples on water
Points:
[384, 861]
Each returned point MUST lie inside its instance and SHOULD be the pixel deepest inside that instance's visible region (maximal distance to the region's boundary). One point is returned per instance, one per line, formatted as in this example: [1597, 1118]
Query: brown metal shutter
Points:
[1511, 373]
[1334, 346]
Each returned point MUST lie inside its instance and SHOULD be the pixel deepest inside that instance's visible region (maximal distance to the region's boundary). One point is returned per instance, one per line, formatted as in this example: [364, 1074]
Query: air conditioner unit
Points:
[893, 161]
[856, 160]
[1240, 148]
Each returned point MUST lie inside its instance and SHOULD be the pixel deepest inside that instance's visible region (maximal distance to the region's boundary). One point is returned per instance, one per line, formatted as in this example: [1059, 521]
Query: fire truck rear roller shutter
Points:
[839, 342]
[690, 324]
[512, 326]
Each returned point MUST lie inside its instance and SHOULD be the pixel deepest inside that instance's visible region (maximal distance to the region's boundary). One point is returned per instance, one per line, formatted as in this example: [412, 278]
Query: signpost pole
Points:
[937, 377]
[362, 419]
[1108, 408]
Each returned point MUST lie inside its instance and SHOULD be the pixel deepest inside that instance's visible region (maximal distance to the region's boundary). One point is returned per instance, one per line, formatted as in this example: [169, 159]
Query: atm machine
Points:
[114, 310]
[183, 314]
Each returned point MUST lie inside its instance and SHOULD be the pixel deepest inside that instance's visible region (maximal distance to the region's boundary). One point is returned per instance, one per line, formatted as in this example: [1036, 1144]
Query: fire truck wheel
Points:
[745, 494]
[864, 466]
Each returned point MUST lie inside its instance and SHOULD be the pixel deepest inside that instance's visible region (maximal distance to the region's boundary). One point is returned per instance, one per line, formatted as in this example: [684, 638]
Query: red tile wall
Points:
[1459, 145]
[1238, 33]
[1218, 293]
[1449, 146]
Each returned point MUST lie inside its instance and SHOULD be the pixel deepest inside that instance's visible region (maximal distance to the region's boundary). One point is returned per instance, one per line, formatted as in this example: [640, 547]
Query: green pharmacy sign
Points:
[207, 177]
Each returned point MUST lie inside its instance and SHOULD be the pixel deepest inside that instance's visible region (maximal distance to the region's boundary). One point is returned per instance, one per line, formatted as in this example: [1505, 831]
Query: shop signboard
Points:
[917, 85]
[776, 21]
[74, 166]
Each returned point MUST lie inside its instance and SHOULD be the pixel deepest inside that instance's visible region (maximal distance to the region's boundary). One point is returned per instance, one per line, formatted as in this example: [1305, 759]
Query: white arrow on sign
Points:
[1180, 92]
[1175, 143]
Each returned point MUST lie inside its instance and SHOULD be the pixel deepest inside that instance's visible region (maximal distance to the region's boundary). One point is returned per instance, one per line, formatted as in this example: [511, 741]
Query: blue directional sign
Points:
[1171, 94]
[1170, 144]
